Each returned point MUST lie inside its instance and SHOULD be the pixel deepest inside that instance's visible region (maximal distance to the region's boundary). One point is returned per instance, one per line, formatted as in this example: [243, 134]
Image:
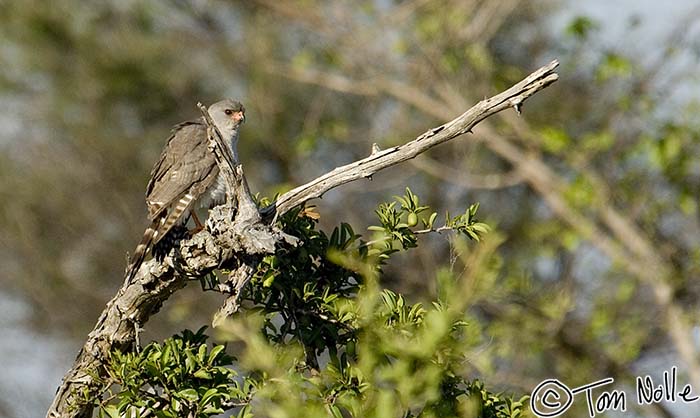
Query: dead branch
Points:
[238, 242]
[365, 168]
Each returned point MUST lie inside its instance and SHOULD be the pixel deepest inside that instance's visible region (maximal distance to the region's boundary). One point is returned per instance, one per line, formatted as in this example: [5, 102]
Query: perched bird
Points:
[186, 177]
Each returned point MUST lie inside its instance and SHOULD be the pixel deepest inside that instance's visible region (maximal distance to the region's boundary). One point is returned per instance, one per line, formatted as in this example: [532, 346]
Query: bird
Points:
[184, 178]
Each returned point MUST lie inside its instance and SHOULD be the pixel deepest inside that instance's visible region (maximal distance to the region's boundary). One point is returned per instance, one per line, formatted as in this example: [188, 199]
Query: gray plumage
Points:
[186, 176]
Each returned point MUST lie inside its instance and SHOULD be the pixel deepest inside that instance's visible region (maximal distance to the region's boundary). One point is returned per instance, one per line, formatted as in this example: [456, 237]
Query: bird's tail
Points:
[141, 250]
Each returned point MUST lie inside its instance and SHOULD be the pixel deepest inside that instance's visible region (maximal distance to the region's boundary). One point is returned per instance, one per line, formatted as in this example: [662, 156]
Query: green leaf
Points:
[214, 353]
[202, 374]
[431, 220]
[188, 394]
[202, 353]
[210, 395]
[111, 411]
[190, 360]
[211, 410]
[268, 279]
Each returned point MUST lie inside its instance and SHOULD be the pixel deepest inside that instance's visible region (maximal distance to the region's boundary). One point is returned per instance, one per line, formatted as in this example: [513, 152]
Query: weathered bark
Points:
[238, 240]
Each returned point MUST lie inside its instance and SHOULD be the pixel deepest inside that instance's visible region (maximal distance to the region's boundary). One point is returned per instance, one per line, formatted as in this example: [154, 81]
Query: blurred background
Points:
[595, 188]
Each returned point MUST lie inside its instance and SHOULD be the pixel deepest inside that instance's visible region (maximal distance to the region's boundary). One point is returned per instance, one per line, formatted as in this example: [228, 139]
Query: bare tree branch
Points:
[365, 168]
[238, 243]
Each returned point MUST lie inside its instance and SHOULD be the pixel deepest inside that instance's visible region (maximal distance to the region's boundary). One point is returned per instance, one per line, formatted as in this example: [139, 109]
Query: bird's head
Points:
[227, 114]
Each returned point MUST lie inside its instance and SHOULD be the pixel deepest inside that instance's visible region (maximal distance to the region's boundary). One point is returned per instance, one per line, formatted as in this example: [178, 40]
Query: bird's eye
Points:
[228, 111]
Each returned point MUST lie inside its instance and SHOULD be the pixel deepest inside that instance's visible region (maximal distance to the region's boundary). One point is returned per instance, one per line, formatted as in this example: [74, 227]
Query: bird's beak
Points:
[239, 117]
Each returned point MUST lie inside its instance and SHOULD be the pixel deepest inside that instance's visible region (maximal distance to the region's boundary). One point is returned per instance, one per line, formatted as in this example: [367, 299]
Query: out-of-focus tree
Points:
[600, 174]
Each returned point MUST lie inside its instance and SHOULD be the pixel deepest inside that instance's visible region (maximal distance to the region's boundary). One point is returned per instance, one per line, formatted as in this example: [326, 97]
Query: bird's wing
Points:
[183, 172]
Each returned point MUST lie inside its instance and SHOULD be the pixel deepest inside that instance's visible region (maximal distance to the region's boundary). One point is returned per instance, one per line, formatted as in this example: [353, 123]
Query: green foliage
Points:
[581, 27]
[180, 377]
[398, 227]
[321, 338]
[613, 65]
[554, 139]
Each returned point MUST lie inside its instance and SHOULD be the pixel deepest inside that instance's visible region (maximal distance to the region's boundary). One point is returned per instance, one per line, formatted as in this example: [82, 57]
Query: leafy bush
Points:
[319, 337]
